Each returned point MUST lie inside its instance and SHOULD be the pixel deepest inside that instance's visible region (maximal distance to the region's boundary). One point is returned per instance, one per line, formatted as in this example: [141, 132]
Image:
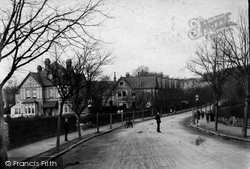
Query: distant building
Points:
[37, 96]
[126, 88]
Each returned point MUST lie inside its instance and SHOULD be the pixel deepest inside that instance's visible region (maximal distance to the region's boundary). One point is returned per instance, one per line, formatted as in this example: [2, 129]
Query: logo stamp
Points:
[207, 27]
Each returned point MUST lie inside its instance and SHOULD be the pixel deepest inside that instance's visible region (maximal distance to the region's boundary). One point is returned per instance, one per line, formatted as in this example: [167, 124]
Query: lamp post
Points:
[197, 99]
[90, 105]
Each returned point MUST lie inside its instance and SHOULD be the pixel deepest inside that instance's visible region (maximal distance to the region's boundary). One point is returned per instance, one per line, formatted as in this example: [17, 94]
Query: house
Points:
[38, 96]
[128, 90]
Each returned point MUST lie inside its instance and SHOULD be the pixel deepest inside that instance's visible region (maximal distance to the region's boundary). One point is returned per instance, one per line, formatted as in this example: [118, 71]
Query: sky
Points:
[153, 33]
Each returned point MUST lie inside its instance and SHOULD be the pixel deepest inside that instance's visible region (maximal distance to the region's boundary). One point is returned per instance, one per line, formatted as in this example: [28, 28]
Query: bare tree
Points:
[74, 81]
[31, 28]
[10, 90]
[86, 70]
[236, 51]
[212, 67]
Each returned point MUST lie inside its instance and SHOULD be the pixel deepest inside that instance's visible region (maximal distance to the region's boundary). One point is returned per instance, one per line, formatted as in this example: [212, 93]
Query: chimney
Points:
[47, 63]
[138, 80]
[68, 64]
[39, 68]
[114, 77]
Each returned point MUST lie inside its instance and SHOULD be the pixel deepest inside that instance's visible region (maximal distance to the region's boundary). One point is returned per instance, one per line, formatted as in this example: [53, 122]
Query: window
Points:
[27, 94]
[33, 110]
[124, 93]
[65, 109]
[119, 94]
[51, 93]
[124, 105]
[133, 93]
[29, 110]
[16, 110]
[34, 93]
[121, 83]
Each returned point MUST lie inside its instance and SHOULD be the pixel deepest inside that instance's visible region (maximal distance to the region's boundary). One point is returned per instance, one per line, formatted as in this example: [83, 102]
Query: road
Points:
[178, 147]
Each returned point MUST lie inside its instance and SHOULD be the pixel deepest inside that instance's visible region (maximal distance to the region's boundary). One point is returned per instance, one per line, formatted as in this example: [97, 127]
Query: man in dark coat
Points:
[158, 121]
[66, 128]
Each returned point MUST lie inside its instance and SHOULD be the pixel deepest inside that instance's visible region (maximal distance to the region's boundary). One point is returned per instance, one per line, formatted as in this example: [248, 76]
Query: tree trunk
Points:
[78, 127]
[3, 146]
[59, 126]
[216, 117]
[245, 118]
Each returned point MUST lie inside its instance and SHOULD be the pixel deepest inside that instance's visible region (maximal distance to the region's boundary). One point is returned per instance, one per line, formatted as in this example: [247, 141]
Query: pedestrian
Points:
[66, 128]
[207, 116]
[194, 116]
[198, 114]
[158, 121]
[202, 114]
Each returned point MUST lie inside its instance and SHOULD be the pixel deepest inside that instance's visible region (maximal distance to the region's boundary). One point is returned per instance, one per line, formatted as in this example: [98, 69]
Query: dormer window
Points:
[121, 83]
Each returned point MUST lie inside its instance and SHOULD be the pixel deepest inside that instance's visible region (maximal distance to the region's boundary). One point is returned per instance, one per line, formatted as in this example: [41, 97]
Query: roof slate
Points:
[41, 78]
[145, 81]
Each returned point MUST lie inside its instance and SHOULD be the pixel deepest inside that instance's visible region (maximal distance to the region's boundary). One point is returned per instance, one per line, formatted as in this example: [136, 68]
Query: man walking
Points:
[158, 121]
[66, 128]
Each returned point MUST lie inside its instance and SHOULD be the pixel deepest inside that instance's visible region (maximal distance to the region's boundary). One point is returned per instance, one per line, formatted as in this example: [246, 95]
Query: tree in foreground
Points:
[31, 28]
[86, 71]
[74, 80]
[236, 51]
[212, 67]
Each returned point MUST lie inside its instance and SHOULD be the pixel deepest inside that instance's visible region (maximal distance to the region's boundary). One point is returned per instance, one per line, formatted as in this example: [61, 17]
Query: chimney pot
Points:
[114, 77]
[39, 68]
[47, 63]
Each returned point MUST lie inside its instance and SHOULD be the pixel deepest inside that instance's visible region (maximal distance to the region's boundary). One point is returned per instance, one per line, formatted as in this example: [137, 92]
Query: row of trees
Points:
[32, 28]
[226, 55]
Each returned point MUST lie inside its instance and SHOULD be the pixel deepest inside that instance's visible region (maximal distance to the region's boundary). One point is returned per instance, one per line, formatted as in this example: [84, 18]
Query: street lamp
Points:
[197, 99]
[90, 105]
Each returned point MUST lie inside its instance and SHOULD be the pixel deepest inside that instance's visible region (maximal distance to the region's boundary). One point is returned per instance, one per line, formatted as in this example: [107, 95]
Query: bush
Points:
[23, 131]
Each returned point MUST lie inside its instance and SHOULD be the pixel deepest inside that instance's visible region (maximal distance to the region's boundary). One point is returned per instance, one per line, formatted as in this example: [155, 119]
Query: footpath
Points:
[37, 148]
[226, 131]
[44, 147]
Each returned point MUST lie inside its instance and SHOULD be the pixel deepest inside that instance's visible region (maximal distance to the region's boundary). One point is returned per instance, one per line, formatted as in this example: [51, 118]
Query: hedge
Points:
[236, 111]
[23, 131]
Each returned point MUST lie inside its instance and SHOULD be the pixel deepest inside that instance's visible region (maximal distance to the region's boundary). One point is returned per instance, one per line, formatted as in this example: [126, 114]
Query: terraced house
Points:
[37, 96]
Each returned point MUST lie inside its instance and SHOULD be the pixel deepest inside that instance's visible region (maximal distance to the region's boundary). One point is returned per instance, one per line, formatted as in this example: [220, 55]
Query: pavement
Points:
[28, 151]
[40, 147]
[230, 132]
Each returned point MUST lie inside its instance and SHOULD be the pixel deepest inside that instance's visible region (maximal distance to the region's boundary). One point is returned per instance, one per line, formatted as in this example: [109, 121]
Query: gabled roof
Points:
[146, 82]
[39, 77]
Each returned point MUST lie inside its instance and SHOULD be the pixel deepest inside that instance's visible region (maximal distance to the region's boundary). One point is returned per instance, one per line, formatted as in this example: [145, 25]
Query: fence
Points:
[23, 131]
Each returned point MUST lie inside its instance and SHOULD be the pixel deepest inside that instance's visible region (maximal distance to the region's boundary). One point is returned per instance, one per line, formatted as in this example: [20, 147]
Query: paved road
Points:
[177, 147]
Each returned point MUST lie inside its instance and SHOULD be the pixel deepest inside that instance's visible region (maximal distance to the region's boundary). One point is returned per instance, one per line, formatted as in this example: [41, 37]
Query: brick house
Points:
[37, 96]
